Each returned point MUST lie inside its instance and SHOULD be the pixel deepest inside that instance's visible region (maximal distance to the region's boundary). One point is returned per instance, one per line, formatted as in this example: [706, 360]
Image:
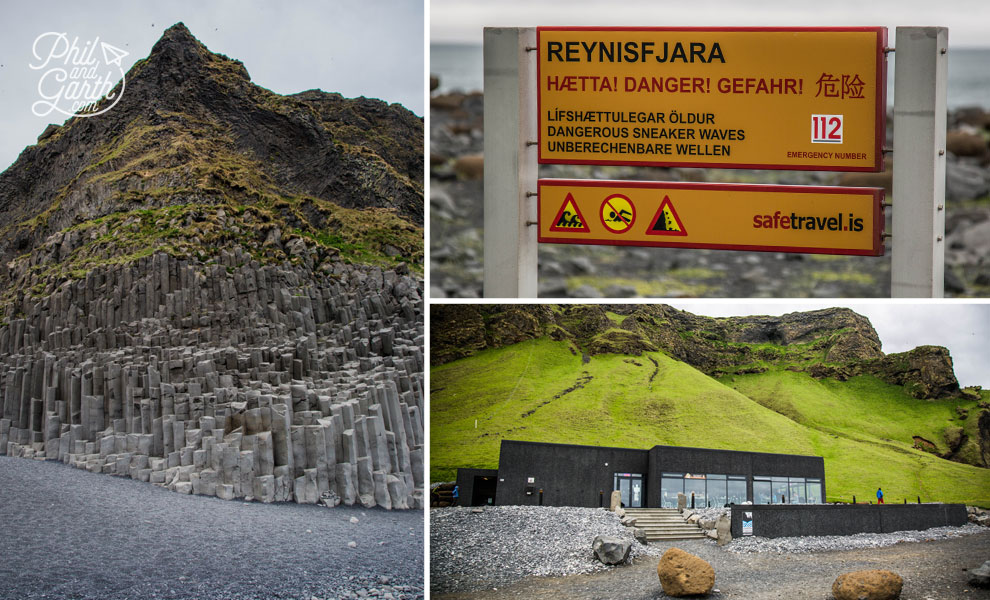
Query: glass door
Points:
[630, 486]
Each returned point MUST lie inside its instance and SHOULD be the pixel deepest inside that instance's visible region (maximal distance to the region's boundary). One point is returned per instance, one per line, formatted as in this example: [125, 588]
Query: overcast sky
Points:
[963, 328]
[463, 20]
[370, 48]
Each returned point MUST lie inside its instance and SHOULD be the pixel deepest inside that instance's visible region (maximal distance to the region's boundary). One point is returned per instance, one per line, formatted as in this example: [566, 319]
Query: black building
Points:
[571, 475]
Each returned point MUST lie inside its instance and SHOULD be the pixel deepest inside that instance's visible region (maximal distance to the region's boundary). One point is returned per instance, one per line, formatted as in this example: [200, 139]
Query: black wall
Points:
[780, 520]
[569, 475]
[465, 483]
[678, 459]
[572, 475]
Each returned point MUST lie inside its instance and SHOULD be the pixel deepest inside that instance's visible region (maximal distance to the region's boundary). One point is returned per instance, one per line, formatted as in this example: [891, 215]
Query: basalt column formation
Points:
[234, 382]
[215, 289]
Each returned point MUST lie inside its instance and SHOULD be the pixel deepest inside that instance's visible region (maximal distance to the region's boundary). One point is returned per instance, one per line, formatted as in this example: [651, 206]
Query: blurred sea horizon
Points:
[460, 68]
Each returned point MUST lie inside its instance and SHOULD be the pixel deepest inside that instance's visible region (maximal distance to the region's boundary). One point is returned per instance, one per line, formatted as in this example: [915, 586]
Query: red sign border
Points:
[878, 195]
[880, 132]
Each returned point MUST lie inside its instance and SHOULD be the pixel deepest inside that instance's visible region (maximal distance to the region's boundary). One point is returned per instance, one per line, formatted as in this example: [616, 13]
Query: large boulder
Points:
[980, 576]
[723, 527]
[611, 550]
[684, 574]
[868, 585]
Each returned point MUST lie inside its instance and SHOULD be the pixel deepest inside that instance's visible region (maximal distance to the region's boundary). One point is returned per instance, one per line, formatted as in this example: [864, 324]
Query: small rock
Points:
[868, 585]
[965, 143]
[354, 520]
[584, 291]
[471, 167]
[352, 544]
[980, 576]
[620, 291]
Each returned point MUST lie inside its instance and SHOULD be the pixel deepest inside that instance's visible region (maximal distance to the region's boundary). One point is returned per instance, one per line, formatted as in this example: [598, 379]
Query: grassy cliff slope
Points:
[544, 390]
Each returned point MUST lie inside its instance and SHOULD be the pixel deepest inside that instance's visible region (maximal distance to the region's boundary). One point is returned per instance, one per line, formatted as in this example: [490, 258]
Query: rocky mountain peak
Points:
[180, 63]
[178, 42]
[192, 136]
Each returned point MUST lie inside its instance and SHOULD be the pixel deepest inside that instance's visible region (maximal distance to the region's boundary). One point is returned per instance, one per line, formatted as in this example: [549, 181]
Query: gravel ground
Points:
[527, 552]
[848, 542]
[503, 544]
[66, 533]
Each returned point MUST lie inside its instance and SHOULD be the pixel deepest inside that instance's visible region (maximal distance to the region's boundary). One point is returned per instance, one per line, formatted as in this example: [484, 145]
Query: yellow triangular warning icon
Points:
[666, 221]
[569, 218]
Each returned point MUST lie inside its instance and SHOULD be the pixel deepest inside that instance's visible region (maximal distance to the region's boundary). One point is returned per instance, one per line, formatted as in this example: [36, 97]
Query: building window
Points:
[716, 490]
[779, 490]
[798, 495]
[790, 490]
[736, 490]
[694, 484]
[814, 491]
[762, 490]
[671, 484]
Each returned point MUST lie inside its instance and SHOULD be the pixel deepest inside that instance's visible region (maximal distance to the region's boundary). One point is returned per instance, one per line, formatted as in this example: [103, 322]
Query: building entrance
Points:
[484, 491]
[630, 485]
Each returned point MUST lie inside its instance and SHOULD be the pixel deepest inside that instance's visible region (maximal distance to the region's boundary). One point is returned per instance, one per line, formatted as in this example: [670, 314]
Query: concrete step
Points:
[664, 524]
[665, 538]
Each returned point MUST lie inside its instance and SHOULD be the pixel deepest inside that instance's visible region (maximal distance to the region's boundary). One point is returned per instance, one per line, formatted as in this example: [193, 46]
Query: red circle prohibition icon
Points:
[617, 213]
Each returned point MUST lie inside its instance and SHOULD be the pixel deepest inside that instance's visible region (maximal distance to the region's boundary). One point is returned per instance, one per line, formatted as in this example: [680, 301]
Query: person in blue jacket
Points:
[879, 496]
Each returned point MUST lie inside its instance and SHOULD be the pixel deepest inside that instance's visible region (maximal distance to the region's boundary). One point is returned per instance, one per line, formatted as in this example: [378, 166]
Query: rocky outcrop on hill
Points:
[924, 372]
[831, 335]
[833, 342]
[461, 330]
[208, 288]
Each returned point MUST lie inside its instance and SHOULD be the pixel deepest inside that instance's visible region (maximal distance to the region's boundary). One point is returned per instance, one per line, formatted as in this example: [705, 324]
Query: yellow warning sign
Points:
[666, 222]
[736, 97]
[618, 213]
[569, 218]
[777, 218]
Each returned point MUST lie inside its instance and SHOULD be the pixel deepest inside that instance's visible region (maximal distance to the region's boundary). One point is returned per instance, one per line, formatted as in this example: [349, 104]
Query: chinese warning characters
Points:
[728, 97]
[843, 86]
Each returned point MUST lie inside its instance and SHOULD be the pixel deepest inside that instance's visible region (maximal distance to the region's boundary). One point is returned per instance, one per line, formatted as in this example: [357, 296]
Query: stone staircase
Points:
[662, 524]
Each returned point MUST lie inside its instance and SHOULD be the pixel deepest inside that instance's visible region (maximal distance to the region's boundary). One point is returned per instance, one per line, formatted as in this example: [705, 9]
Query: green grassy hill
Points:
[541, 390]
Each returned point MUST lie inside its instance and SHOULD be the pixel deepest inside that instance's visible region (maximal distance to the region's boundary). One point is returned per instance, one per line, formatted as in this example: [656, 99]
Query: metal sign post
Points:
[918, 263]
[510, 164]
